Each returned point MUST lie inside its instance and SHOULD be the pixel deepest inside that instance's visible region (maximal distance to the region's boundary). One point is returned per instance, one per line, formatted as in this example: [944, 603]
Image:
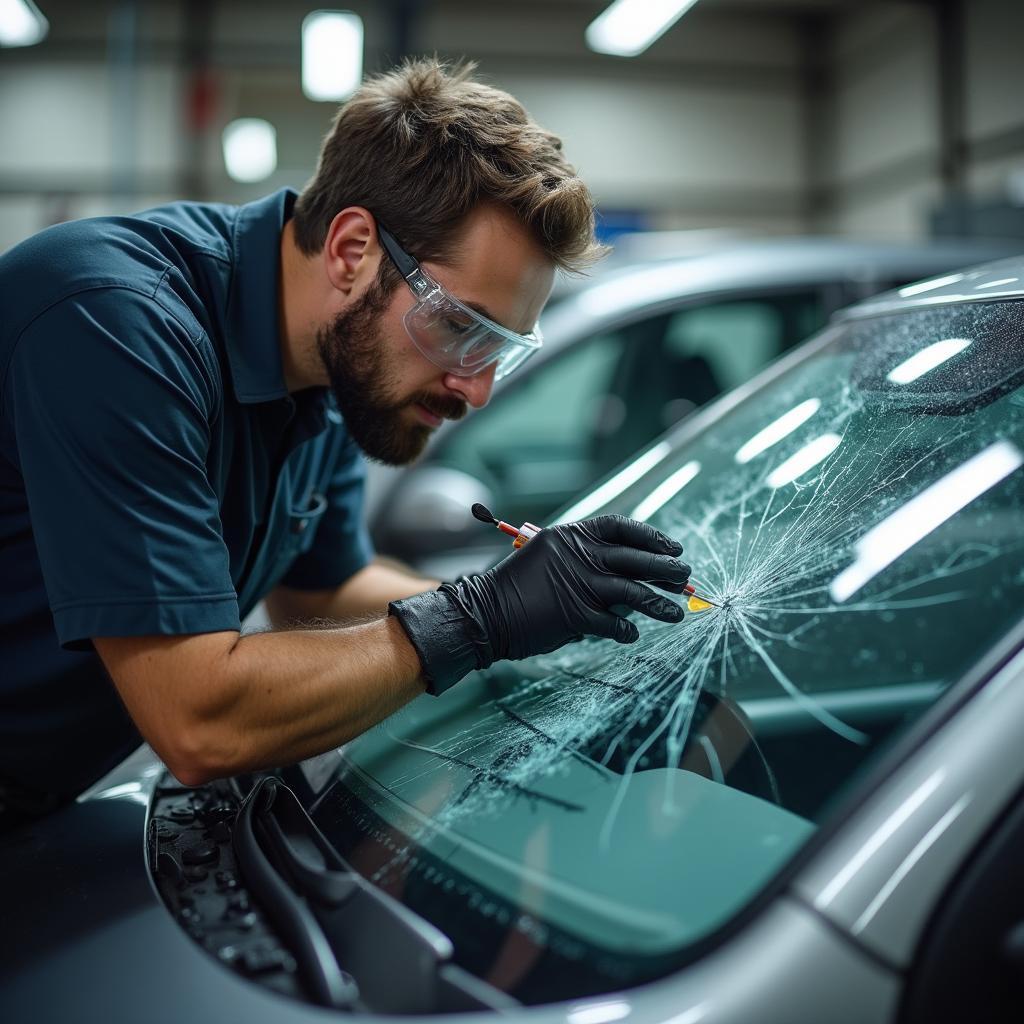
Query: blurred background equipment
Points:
[889, 119]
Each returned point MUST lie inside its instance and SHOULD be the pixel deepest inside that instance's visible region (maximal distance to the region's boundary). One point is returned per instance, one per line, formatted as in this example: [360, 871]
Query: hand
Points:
[569, 581]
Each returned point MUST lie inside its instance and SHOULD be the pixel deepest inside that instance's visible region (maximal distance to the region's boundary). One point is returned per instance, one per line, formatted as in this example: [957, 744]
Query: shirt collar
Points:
[253, 331]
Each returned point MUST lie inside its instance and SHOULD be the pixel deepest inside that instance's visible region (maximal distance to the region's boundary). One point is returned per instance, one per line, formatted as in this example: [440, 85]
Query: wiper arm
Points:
[318, 967]
[346, 934]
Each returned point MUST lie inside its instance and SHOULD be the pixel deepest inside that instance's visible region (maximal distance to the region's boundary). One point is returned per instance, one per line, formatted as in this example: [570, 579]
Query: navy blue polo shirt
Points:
[155, 475]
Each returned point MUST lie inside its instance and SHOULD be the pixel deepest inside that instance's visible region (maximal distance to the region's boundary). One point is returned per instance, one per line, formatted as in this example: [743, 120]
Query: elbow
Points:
[195, 762]
[204, 749]
[190, 776]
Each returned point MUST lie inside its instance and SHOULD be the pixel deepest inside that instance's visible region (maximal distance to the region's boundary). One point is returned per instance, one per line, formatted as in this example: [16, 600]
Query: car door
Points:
[970, 965]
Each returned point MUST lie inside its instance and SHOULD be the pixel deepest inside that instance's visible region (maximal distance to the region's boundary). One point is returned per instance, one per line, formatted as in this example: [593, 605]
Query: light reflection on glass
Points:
[996, 284]
[920, 516]
[616, 485]
[599, 1013]
[665, 491]
[928, 286]
[926, 360]
[804, 460]
[775, 432]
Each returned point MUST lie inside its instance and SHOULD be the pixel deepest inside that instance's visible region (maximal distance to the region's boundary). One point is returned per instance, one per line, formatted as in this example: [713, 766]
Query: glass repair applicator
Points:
[528, 531]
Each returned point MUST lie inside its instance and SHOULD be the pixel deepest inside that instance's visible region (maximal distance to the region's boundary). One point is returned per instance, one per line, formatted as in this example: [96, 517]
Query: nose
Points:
[476, 390]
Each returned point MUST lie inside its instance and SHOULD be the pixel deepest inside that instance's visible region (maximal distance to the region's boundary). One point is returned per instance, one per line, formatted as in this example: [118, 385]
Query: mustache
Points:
[445, 406]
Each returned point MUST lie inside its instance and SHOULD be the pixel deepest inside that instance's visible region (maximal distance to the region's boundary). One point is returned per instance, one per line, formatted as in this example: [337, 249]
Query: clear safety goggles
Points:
[449, 333]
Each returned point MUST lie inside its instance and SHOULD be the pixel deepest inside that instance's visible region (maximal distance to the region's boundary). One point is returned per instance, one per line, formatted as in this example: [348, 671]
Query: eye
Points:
[458, 325]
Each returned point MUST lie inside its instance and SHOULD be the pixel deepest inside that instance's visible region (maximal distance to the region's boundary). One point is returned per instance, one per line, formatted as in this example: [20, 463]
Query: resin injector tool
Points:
[524, 534]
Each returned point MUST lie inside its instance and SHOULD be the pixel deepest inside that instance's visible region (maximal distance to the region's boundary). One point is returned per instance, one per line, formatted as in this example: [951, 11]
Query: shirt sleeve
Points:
[110, 394]
[342, 544]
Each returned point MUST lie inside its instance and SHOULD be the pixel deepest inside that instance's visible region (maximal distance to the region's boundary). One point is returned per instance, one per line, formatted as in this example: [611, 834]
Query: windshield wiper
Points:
[345, 934]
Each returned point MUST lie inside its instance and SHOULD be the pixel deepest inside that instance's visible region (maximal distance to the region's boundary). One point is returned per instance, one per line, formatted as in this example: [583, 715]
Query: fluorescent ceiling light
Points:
[920, 516]
[617, 484]
[929, 286]
[805, 460]
[775, 432]
[628, 27]
[21, 23]
[250, 149]
[665, 491]
[332, 54]
[926, 360]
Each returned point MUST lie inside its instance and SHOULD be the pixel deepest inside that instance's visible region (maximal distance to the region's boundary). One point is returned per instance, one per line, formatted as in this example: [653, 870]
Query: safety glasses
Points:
[448, 332]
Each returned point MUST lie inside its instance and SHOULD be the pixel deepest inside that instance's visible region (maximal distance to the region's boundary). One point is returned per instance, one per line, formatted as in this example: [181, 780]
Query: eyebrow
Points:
[483, 311]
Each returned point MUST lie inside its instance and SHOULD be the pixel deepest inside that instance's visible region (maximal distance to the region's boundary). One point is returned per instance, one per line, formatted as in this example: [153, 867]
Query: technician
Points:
[186, 399]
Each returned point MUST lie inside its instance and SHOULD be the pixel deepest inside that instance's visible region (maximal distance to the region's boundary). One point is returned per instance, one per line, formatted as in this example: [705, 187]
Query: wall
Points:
[720, 124]
[706, 130]
[884, 147]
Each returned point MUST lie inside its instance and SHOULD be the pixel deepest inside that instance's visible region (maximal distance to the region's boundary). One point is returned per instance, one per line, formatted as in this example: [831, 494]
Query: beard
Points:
[354, 354]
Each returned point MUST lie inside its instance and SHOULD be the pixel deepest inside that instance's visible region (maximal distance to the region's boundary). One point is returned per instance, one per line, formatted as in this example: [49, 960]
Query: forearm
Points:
[299, 693]
[233, 704]
[368, 592]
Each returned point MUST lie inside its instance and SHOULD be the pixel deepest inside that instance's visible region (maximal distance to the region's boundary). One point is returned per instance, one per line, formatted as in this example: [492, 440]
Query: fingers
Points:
[632, 533]
[616, 591]
[611, 627]
[661, 570]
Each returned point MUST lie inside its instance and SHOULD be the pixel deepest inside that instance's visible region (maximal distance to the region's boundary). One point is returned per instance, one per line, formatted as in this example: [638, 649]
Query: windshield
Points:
[581, 820]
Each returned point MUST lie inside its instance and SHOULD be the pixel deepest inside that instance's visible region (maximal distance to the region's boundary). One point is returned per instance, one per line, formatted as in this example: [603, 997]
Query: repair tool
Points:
[528, 531]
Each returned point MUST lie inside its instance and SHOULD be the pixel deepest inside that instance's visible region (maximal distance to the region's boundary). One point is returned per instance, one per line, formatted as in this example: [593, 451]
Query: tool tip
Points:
[483, 513]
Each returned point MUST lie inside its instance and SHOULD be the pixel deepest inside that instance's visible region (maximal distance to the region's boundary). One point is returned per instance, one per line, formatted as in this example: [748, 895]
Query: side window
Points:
[685, 359]
[732, 340]
[531, 446]
[572, 420]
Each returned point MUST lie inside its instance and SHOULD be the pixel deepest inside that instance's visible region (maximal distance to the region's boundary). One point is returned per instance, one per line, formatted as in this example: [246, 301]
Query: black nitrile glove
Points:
[561, 586]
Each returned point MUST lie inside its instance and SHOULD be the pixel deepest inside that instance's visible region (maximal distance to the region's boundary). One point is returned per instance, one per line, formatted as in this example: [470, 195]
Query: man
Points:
[185, 394]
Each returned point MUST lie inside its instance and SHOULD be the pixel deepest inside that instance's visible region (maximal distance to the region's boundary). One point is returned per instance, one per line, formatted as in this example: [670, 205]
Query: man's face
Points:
[391, 396]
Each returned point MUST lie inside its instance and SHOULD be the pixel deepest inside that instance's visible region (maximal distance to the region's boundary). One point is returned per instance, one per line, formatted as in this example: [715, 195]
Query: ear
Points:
[351, 251]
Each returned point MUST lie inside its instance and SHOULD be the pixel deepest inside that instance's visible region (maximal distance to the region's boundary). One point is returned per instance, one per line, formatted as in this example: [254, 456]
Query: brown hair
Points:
[422, 145]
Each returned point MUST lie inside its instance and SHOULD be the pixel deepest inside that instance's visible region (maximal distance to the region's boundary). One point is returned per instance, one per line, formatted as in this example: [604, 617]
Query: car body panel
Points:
[85, 936]
[882, 880]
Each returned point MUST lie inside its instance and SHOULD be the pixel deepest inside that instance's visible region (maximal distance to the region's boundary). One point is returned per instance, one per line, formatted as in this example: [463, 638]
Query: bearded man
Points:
[187, 399]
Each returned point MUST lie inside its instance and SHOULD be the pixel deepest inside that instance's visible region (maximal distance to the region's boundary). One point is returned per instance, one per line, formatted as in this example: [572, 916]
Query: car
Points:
[801, 804]
[627, 355]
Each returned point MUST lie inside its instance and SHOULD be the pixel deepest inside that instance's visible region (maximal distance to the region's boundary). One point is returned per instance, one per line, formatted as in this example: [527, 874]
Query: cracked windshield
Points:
[578, 821]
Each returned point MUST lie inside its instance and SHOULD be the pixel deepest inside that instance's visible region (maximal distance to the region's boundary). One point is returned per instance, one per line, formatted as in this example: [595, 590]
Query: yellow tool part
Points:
[695, 604]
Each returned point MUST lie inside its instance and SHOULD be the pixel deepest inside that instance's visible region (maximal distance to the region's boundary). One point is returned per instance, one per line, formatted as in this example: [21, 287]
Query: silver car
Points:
[801, 804]
[627, 355]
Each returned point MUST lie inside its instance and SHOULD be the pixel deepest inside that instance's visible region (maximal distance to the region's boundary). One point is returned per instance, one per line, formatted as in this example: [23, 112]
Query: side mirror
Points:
[429, 511]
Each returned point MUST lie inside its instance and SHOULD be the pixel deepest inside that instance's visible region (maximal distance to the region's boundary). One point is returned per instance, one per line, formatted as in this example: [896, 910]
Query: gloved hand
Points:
[566, 583]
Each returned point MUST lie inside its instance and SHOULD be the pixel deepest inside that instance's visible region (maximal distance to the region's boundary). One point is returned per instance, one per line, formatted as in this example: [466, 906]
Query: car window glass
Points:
[735, 339]
[678, 362]
[577, 821]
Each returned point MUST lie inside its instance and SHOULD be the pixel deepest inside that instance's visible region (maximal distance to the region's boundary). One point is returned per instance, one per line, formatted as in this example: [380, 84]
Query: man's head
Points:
[473, 191]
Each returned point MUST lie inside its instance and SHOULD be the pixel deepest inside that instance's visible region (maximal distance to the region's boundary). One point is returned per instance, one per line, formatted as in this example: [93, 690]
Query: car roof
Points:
[751, 265]
[1000, 279]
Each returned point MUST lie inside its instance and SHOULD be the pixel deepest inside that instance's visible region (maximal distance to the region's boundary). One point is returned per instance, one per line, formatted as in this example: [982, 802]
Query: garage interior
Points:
[880, 119]
[804, 806]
